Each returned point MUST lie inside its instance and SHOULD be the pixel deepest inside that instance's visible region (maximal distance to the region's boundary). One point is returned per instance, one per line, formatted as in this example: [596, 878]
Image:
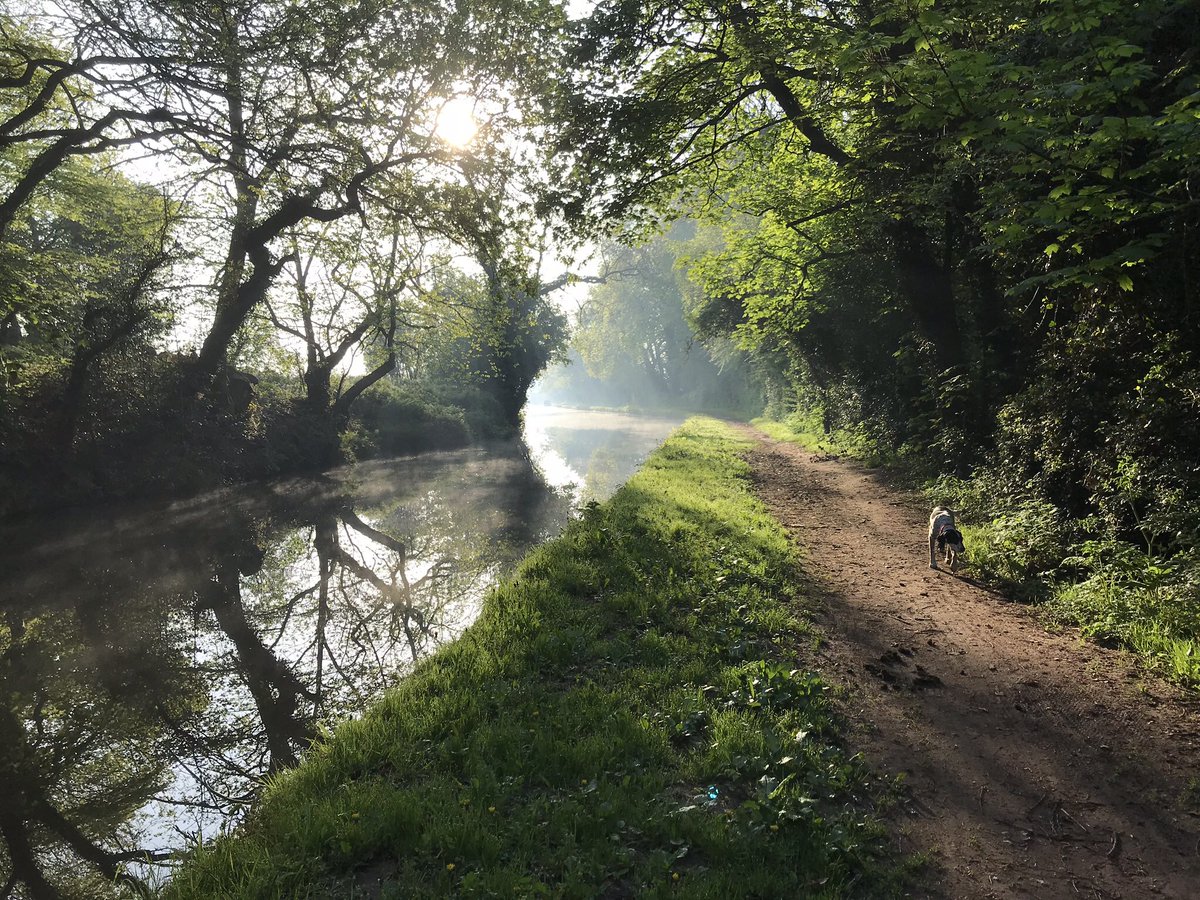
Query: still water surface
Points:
[157, 661]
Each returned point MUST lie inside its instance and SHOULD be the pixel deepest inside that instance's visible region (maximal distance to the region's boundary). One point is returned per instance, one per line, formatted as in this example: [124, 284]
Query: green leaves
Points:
[71, 271]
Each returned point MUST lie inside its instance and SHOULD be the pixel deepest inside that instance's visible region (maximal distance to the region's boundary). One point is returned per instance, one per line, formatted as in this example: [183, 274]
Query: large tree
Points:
[285, 112]
[79, 286]
[301, 108]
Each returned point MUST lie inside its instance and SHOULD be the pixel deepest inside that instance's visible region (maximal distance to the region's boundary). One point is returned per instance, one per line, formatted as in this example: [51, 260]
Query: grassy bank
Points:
[629, 717]
[1113, 591]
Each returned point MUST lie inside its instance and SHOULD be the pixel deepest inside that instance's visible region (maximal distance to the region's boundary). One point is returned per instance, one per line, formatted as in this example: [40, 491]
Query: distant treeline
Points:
[632, 346]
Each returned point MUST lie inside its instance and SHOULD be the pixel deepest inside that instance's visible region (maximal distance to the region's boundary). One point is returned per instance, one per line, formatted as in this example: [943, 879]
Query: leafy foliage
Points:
[918, 205]
[305, 206]
[958, 232]
[1149, 605]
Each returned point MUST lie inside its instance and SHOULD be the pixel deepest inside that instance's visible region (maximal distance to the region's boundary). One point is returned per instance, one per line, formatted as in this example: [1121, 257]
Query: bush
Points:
[391, 419]
[1129, 598]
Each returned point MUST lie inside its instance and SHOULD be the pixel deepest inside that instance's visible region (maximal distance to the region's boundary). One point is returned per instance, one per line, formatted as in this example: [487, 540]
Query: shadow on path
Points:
[1036, 766]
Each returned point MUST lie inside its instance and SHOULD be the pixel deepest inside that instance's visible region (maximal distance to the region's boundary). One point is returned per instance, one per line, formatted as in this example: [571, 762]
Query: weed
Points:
[1189, 798]
[1147, 604]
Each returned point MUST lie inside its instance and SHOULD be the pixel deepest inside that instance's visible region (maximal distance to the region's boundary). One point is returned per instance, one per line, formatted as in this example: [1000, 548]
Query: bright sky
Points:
[457, 123]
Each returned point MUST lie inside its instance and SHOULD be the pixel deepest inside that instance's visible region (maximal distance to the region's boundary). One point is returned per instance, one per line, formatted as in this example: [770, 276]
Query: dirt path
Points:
[1036, 766]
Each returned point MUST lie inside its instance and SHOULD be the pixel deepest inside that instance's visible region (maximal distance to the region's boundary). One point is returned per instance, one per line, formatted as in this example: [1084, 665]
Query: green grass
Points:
[628, 717]
[805, 429]
[1147, 605]
[806, 435]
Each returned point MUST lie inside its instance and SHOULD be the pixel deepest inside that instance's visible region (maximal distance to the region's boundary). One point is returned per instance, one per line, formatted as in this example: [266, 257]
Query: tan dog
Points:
[946, 537]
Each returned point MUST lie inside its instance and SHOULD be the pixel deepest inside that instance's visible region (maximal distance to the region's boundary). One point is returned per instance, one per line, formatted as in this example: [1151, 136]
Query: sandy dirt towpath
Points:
[1036, 766]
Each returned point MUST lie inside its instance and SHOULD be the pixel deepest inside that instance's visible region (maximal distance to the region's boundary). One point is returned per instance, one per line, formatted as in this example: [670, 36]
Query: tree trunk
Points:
[231, 315]
[274, 686]
[341, 406]
[15, 817]
[316, 386]
[20, 852]
[928, 290]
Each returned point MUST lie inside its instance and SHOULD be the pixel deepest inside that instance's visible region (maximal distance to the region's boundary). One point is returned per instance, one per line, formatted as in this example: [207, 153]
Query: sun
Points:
[456, 123]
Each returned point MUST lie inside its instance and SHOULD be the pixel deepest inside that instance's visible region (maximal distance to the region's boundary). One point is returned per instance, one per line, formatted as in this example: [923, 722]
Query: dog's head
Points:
[954, 538]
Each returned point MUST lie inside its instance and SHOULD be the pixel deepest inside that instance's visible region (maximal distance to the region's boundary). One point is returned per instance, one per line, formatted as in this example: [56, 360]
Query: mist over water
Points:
[160, 659]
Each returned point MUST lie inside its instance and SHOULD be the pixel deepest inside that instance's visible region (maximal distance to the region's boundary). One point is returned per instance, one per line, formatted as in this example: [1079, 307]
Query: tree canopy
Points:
[949, 221]
[263, 186]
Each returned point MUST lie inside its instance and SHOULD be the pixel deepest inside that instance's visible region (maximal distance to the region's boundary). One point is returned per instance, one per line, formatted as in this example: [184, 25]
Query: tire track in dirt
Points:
[1036, 766]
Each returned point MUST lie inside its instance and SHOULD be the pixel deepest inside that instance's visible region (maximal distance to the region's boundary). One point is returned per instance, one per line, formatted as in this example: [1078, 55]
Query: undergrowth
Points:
[1078, 571]
[807, 430]
[1113, 591]
[627, 718]
[1148, 604]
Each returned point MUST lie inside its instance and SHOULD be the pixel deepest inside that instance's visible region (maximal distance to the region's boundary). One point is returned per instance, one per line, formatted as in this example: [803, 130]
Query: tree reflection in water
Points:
[155, 668]
[157, 662]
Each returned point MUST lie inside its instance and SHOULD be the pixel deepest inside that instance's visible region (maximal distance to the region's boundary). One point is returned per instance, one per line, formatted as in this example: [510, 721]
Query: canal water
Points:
[157, 661]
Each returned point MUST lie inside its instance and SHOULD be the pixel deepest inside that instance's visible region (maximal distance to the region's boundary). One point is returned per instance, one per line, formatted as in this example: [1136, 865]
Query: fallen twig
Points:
[1116, 846]
[1066, 815]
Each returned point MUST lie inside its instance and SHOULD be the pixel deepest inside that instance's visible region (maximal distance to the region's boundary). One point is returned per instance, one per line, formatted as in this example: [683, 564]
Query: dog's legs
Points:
[932, 552]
